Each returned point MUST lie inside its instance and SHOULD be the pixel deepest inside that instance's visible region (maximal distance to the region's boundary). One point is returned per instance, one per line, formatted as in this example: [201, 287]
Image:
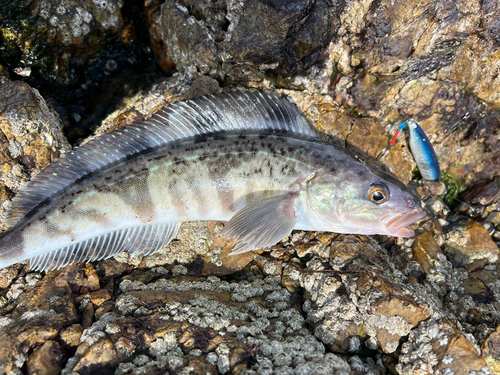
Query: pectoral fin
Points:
[262, 224]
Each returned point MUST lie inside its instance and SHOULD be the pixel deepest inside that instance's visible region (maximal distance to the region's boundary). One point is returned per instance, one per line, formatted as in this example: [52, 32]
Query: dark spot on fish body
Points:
[199, 138]
[219, 137]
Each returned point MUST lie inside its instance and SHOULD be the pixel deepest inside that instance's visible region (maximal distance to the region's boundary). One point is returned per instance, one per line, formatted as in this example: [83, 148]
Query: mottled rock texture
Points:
[31, 136]
[317, 302]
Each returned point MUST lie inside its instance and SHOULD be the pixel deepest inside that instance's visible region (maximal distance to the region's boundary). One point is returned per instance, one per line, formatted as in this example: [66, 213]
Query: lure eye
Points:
[378, 193]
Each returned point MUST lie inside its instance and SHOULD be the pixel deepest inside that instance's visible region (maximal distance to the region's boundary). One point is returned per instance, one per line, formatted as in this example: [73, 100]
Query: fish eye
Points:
[378, 193]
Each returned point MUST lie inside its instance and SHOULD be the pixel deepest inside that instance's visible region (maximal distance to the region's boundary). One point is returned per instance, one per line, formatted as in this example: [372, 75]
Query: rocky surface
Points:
[31, 136]
[317, 302]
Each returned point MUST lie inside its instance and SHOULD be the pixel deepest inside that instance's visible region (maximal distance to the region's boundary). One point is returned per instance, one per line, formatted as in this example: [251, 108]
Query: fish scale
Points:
[246, 158]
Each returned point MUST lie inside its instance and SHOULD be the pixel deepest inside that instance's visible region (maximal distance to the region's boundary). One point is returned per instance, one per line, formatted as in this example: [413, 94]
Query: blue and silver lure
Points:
[422, 151]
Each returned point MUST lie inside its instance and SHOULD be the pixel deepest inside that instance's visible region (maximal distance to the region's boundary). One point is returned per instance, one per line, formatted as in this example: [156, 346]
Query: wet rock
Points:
[189, 40]
[251, 324]
[433, 188]
[46, 360]
[214, 39]
[31, 134]
[87, 315]
[70, 22]
[425, 251]
[7, 275]
[57, 29]
[70, 337]
[364, 301]
[296, 31]
[470, 241]
[483, 193]
[40, 313]
[491, 351]
[392, 67]
[440, 346]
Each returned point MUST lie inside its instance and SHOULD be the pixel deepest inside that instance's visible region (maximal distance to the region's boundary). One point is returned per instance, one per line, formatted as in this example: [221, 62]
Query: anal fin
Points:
[146, 239]
[261, 224]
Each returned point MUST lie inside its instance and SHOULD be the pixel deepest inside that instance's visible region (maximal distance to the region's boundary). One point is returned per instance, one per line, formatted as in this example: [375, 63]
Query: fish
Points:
[248, 158]
[421, 149]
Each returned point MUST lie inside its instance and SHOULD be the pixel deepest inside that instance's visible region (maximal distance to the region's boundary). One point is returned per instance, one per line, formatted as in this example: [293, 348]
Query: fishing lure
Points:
[247, 158]
[421, 149]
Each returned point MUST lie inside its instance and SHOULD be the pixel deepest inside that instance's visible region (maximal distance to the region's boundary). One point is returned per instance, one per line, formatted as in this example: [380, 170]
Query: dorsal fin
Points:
[181, 120]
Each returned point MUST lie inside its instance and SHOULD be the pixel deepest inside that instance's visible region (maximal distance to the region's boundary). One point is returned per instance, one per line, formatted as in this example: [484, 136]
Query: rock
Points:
[190, 42]
[70, 337]
[46, 360]
[70, 22]
[173, 321]
[31, 134]
[99, 297]
[289, 35]
[433, 188]
[39, 314]
[440, 346]
[7, 275]
[100, 357]
[483, 193]
[425, 251]
[491, 351]
[57, 30]
[389, 68]
[87, 315]
[214, 39]
[363, 301]
[469, 241]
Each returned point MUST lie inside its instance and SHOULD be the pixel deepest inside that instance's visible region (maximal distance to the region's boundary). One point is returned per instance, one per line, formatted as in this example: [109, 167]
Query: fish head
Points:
[362, 200]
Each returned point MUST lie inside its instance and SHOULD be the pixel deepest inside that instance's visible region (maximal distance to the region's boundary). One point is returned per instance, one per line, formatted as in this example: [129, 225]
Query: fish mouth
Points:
[400, 225]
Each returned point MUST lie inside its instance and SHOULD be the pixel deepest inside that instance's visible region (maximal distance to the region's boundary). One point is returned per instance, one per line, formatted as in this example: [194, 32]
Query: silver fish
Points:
[247, 158]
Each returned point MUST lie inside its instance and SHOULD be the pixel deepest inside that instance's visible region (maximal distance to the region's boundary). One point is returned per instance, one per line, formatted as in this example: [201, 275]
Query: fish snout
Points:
[400, 225]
